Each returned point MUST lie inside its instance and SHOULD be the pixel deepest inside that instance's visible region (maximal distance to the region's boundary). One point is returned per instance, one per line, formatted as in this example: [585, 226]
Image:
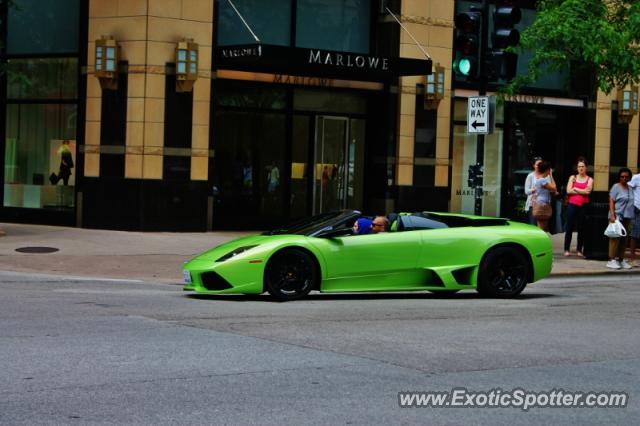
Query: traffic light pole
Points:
[482, 91]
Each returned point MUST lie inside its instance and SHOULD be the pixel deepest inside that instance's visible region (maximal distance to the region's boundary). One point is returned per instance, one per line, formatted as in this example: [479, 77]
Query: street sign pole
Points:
[482, 91]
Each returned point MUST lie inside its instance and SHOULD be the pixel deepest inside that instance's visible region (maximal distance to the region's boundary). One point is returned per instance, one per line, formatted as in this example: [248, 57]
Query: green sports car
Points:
[437, 252]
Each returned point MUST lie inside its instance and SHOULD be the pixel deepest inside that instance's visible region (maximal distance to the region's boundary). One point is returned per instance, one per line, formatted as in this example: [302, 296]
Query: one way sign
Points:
[480, 114]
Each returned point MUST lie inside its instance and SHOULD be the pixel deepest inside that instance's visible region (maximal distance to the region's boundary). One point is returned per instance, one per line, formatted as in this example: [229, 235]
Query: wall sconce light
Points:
[186, 65]
[107, 63]
[627, 104]
[434, 88]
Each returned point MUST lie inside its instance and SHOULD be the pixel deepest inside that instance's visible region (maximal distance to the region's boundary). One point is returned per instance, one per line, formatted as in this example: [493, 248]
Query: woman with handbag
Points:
[529, 190]
[621, 208]
[578, 189]
[541, 201]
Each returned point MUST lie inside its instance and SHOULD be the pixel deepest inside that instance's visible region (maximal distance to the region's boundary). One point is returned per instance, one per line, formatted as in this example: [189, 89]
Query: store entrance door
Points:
[334, 164]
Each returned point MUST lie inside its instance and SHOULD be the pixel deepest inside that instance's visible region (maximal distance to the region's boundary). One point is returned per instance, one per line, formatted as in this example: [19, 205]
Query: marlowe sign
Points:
[480, 112]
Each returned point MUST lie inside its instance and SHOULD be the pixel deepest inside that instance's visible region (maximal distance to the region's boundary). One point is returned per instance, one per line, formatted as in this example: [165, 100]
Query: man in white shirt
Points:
[635, 231]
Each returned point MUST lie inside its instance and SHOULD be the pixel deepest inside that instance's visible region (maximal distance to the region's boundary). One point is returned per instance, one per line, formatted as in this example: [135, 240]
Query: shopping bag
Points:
[615, 230]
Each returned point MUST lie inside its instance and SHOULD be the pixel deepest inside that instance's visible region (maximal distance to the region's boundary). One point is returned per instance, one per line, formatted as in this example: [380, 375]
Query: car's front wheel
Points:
[290, 274]
[503, 273]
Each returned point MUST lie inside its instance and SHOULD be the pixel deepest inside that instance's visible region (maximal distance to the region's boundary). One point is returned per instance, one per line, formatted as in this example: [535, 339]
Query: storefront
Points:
[553, 118]
[303, 120]
[306, 106]
[42, 89]
[287, 151]
[556, 129]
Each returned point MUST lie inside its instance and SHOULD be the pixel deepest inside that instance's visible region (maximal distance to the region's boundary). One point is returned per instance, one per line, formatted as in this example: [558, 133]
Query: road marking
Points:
[67, 277]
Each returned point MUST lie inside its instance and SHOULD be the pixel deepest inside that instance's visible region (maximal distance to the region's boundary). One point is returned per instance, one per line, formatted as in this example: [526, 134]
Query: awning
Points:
[316, 62]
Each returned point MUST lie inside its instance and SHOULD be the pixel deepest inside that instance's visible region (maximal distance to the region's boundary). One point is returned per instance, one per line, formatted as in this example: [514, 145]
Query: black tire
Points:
[290, 274]
[503, 273]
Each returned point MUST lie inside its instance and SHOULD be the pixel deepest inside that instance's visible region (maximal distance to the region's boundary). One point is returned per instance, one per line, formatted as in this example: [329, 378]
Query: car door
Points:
[371, 262]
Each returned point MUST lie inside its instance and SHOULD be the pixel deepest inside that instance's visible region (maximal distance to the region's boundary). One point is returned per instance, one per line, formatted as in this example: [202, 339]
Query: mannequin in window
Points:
[66, 164]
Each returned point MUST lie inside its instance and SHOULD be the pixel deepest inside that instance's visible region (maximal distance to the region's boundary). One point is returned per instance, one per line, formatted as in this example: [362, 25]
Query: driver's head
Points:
[379, 224]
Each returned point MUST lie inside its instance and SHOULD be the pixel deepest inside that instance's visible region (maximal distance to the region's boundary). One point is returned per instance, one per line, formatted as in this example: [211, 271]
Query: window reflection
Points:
[37, 26]
[331, 25]
[40, 156]
[43, 78]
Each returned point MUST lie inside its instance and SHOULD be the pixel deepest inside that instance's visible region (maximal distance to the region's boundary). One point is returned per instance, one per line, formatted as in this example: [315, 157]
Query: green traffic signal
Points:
[468, 26]
[464, 66]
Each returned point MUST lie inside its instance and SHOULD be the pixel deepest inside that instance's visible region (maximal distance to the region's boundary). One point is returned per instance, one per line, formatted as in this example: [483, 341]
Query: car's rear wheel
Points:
[503, 273]
[290, 274]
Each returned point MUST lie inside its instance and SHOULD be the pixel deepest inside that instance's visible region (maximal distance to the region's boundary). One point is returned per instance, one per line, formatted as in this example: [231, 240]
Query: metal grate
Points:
[37, 249]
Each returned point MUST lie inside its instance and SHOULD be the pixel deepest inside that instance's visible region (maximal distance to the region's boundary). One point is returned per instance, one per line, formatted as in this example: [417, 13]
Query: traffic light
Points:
[502, 64]
[475, 176]
[467, 44]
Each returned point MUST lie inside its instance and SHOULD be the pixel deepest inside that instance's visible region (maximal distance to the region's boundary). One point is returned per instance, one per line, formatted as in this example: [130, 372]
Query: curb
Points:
[594, 273]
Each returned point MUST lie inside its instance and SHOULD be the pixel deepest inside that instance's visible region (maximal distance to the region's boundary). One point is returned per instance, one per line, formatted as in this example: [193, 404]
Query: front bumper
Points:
[209, 277]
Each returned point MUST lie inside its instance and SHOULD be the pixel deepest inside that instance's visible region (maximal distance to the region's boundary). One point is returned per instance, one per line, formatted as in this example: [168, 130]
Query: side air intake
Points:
[214, 282]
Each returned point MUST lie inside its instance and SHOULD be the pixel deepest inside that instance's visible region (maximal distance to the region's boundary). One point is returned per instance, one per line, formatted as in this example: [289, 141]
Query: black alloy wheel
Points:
[503, 273]
[290, 274]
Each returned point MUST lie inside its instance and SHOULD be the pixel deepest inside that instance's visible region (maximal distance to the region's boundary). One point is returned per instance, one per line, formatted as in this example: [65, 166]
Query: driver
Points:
[379, 224]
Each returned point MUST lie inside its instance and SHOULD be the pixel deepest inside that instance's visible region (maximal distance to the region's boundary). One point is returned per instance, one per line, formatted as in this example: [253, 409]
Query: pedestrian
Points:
[529, 189]
[579, 187]
[634, 183]
[543, 188]
[621, 208]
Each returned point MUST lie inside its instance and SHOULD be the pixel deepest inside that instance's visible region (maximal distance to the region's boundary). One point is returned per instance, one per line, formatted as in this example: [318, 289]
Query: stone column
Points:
[602, 142]
[431, 23]
[147, 32]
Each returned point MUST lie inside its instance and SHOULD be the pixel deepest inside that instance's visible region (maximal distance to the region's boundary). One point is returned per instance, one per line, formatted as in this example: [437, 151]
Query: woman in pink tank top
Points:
[578, 189]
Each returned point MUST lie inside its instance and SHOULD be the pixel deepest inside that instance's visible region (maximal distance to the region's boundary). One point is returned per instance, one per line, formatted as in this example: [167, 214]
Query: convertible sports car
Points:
[437, 252]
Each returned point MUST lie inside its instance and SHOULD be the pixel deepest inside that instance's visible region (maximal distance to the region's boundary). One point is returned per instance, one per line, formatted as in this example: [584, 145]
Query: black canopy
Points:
[317, 62]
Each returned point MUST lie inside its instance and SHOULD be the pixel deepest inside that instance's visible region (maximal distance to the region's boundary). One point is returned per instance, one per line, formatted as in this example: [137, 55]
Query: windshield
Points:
[310, 225]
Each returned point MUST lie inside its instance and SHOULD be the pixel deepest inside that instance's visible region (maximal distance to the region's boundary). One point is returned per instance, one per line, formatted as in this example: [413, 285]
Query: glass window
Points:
[40, 155]
[424, 175]
[300, 166]
[248, 168]
[425, 129]
[325, 101]
[51, 78]
[240, 95]
[463, 187]
[334, 25]
[547, 80]
[270, 20]
[43, 26]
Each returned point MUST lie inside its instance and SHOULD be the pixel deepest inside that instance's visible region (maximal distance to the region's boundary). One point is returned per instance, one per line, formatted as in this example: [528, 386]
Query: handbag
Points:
[615, 230]
[542, 211]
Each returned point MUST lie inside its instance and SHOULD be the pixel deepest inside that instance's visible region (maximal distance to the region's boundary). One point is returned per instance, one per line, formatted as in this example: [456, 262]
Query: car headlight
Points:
[234, 253]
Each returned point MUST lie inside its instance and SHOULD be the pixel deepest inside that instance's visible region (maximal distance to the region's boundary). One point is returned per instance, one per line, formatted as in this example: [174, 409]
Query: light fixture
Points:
[434, 88]
[186, 65]
[106, 68]
[627, 104]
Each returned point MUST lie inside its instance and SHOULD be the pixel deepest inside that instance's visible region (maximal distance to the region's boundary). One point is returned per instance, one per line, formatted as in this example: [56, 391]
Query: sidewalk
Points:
[158, 256]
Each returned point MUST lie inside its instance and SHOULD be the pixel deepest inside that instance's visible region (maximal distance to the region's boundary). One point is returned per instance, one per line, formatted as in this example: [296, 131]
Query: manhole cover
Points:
[37, 249]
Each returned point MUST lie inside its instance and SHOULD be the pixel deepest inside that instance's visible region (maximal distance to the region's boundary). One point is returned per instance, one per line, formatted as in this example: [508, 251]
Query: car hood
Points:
[219, 251]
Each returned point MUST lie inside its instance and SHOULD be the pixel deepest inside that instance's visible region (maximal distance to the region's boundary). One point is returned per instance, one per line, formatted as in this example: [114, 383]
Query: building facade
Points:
[202, 114]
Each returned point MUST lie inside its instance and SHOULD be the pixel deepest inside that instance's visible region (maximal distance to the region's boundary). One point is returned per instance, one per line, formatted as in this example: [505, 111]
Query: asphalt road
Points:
[78, 351]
